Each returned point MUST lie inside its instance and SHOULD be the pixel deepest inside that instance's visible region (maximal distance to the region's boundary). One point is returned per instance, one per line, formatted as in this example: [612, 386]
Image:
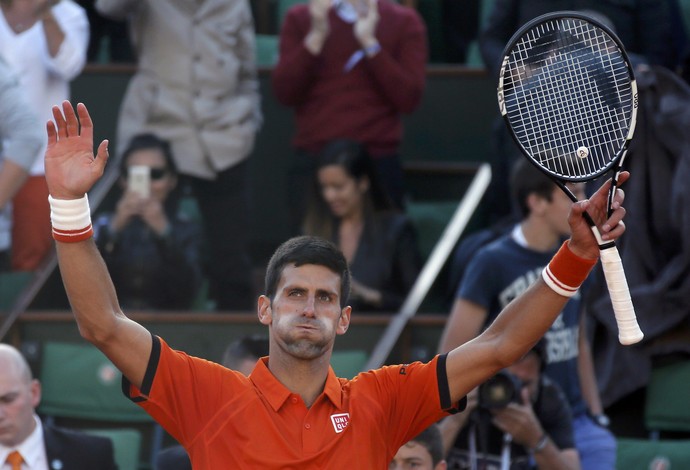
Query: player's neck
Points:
[538, 237]
[305, 378]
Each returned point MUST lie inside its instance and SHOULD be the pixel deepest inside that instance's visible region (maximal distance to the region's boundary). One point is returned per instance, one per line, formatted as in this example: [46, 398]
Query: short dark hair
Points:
[526, 179]
[303, 250]
[431, 440]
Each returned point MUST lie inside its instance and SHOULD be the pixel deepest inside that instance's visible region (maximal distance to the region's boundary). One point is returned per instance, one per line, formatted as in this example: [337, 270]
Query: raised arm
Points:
[523, 321]
[71, 170]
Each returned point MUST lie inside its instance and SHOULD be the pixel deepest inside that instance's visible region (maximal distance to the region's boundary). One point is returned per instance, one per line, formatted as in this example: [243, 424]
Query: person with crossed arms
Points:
[292, 411]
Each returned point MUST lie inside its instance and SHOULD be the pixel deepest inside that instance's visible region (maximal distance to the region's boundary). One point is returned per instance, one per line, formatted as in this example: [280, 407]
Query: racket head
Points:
[567, 92]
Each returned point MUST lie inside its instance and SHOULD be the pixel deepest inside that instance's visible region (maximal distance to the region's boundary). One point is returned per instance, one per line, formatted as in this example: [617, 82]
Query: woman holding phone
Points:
[152, 252]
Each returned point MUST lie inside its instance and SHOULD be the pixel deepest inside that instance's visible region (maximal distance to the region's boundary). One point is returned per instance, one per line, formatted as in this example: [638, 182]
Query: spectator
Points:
[644, 27]
[292, 404]
[502, 270]
[460, 23]
[24, 438]
[196, 87]
[656, 256]
[153, 253]
[44, 42]
[20, 141]
[349, 70]
[534, 426]
[424, 452]
[109, 38]
[240, 355]
[351, 208]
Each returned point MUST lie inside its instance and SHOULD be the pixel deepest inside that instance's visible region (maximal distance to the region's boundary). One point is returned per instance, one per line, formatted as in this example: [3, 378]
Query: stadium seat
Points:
[667, 407]
[126, 445]
[266, 50]
[82, 389]
[348, 363]
[11, 285]
[645, 454]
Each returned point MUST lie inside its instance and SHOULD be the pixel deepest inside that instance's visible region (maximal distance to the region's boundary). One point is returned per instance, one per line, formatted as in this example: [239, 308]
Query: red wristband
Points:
[567, 271]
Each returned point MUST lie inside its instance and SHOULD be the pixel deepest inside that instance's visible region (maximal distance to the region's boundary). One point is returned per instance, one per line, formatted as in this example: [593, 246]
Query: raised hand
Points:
[70, 165]
[365, 26]
[582, 240]
[318, 10]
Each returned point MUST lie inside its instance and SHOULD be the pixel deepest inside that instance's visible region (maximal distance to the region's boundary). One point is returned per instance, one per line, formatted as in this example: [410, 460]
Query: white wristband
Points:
[71, 219]
[556, 285]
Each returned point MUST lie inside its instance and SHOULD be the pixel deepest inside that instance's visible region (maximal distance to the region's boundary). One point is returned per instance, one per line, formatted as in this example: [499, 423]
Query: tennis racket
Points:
[568, 96]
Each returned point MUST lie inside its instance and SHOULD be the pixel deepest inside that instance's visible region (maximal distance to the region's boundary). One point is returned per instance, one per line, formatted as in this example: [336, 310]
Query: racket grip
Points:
[628, 330]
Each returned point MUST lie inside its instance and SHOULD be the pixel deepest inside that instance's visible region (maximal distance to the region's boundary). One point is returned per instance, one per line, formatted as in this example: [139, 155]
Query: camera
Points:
[500, 390]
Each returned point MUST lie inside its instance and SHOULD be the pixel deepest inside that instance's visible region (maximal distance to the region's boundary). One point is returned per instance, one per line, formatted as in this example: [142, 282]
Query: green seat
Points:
[430, 219]
[645, 454]
[78, 381]
[667, 406]
[266, 50]
[474, 55]
[11, 284]
[283, 7]
[81, 388]
[348, 363]
[126, 445]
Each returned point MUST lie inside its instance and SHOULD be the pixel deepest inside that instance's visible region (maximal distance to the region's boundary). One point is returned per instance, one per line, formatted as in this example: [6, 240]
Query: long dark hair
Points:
[355, 160]
[148, 141]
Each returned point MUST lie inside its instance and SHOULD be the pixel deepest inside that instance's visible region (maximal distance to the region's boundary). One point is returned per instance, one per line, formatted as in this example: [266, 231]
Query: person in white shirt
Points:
[45, 43]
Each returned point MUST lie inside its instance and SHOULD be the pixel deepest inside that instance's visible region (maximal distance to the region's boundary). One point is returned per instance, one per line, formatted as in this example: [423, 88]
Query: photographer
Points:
[518, 420]
[153, 253]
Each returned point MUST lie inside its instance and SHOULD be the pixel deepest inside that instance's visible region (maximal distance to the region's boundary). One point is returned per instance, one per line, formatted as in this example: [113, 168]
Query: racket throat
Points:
[603, 244]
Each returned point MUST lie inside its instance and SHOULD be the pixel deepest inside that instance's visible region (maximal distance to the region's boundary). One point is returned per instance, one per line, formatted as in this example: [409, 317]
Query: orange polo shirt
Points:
[227, 420]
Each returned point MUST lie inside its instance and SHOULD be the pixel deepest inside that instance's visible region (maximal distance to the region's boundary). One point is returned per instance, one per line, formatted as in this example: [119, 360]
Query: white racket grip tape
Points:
[628, 330]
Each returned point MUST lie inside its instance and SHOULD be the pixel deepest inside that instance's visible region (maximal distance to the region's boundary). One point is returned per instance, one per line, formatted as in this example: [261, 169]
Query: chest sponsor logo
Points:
[340, 421]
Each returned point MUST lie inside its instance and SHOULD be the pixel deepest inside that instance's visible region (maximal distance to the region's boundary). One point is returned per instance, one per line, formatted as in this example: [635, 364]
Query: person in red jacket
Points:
[350, 69]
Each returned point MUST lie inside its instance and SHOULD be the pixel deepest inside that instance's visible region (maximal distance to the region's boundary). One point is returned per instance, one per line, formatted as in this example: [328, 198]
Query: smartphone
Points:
[139, 180]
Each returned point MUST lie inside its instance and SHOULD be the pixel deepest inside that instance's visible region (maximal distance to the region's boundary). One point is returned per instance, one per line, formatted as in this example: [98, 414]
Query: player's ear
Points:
[264, 310]
[344, 320]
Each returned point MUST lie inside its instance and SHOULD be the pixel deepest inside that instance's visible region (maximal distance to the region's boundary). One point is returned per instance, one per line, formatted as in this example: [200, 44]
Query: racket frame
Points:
[629, 330]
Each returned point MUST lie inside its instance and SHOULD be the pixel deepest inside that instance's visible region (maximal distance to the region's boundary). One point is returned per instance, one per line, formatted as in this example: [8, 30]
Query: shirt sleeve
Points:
[71, 57]
[182, 392]
[20, 132]
[295, 72]
[401, 75]
[413, 396]
[479, 283]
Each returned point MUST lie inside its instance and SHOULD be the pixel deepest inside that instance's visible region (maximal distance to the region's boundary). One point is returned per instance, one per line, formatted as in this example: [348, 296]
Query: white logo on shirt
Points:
[340, 421]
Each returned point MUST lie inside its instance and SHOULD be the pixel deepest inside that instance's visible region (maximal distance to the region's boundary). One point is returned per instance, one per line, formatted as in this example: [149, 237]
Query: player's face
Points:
[305, 314]
[343, 193]
[17, 401]
[414, 456]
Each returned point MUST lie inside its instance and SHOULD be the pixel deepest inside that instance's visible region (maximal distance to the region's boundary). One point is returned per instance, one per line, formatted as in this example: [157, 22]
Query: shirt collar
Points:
[276, 393]
[32, 448]
[345, 10]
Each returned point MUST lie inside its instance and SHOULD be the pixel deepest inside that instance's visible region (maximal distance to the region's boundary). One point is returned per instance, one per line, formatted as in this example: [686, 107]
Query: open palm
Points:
[70, 165]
